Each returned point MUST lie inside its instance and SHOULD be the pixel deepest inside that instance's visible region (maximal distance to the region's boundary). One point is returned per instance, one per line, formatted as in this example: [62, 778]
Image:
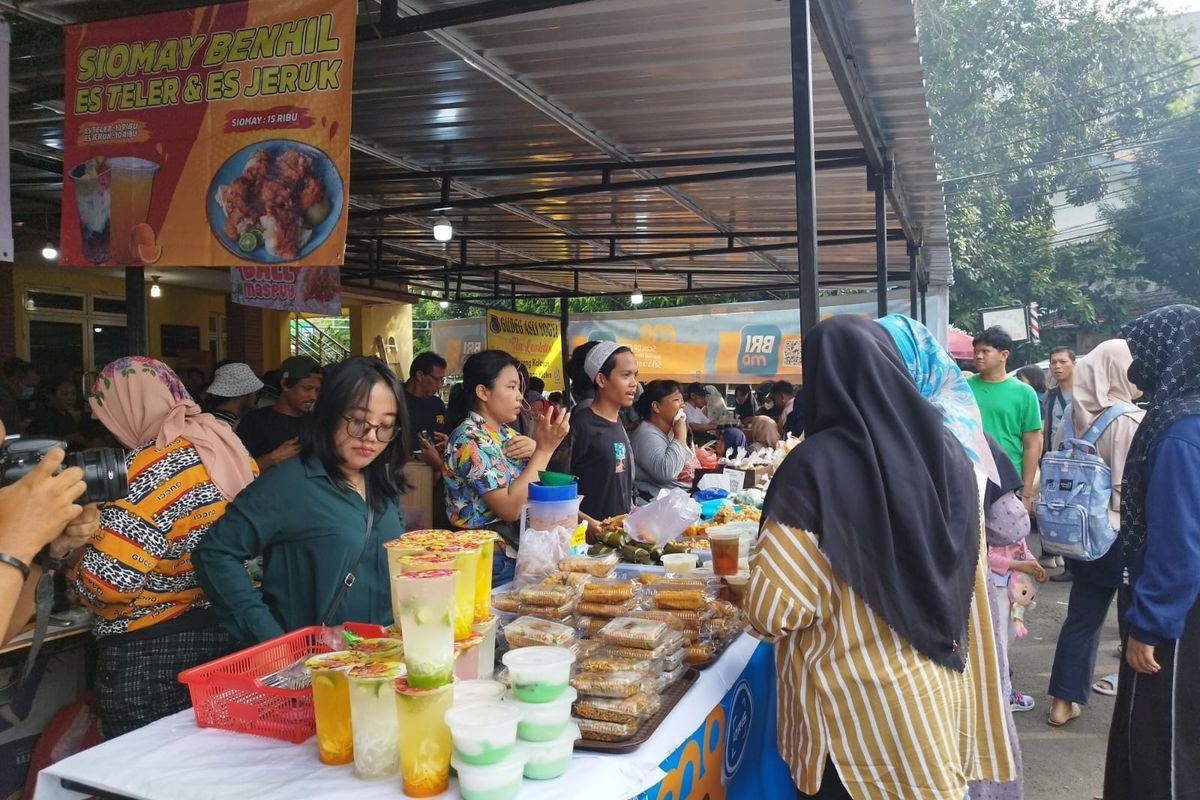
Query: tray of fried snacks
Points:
[607, 610]
[634, 708]
[596, 566]
[646, 634]
[529, 631]
[544, 594]
[609, 591]
[600, 662]
[613, 684]
[508, 602]
[561, 578]
[617, 737]
[588, 627]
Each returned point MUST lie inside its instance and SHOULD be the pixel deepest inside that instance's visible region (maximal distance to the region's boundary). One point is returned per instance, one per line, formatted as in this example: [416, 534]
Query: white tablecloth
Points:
[173, 759]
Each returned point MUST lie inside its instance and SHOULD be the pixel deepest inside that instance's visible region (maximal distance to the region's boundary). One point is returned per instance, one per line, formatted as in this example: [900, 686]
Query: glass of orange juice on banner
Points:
[130, 182]
[483, 572]
[426, 605]
[331, 705]
[425, 743]
[466, 561]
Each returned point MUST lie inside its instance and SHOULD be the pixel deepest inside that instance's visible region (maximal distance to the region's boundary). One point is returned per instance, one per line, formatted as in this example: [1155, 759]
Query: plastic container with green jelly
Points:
[466, 563]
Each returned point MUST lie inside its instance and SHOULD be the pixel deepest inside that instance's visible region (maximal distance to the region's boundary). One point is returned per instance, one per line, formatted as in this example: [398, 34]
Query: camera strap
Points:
[348, 581]
[44, 600]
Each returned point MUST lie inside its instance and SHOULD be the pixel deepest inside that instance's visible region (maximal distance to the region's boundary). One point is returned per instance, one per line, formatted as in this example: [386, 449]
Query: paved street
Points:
[1060, 763]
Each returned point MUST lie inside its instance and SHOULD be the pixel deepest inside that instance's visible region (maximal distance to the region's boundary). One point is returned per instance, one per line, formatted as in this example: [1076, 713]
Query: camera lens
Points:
[104, 473]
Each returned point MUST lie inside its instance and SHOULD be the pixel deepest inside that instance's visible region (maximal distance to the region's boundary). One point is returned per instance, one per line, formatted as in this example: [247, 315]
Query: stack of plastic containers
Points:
[540, 689]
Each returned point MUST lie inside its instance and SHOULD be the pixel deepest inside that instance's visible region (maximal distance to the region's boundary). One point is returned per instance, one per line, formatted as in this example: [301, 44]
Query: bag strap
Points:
[348, 581]
[1104, 420]
[44, 600]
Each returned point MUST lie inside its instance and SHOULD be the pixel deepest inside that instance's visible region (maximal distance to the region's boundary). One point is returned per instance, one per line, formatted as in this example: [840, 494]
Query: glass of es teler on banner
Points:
[486, 540]
[425, 737]
[373, 714]
[466, 563]
[331, 705]
[426, 604]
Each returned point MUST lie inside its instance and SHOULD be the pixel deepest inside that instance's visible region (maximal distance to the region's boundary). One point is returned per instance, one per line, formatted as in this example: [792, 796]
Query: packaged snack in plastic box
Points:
[529, 631]
[600, 662]
[561, 613]
[646, 634]
[599, 731]
[543, 594]
[699, 654]
[561, 578]
[680, 620]
[608, 592]
[508, 602]
[664, 651]
[590, 626]
[611, 684]
[682, 595]
[665, 680]
[596, 566]
[633, 709]
[608, 610]
[673, 659]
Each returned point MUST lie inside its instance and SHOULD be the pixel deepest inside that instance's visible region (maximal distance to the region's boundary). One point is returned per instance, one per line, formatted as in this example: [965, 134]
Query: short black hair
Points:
[1064, 349]
[481, 369]
[346, 385]
[1034, 376]
[784, 387]
[654, 392]
[425, 362]
[696, 388]
[994, 336]
[536, 384]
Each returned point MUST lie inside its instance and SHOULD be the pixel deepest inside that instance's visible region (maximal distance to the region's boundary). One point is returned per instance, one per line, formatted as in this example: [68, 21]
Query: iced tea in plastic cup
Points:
[725, 546]
[331, 705]
[373, 714]
[425, 601]
[425, 736]
[466, 562]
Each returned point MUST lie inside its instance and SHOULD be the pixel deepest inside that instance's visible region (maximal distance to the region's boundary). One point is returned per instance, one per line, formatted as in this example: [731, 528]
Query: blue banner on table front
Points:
[733, 754]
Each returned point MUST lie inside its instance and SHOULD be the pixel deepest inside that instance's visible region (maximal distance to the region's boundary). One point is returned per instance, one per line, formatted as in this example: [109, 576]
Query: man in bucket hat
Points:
[233, 392]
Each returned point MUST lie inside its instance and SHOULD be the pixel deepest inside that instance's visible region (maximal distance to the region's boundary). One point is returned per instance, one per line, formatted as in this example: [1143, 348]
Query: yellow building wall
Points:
[390, 322]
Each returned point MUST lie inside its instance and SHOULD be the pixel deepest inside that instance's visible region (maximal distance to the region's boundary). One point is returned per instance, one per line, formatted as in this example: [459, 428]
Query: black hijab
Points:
[888, 491]
[1165, 345]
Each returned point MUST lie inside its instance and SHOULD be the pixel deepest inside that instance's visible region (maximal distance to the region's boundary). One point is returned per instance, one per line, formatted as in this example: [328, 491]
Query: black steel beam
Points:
[391, 24]
[135, 311]
[804, 145]
[895, 234]
[879, 182]
[914, 252]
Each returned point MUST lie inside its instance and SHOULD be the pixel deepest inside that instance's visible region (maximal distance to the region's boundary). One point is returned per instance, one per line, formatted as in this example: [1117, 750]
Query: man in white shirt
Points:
[697, 421]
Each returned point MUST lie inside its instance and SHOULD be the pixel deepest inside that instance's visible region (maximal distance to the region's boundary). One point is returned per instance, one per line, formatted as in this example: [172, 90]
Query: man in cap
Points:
[233, 392]
[272, 434]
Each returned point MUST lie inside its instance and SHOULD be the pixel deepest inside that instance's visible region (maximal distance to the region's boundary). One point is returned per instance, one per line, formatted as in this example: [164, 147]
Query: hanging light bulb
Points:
[155, 289]
[49, 252]
[443, 304]
[443, 231]
[636, 297]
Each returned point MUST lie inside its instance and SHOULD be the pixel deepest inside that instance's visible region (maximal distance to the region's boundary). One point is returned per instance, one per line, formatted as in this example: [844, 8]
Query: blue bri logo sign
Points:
[759, 352]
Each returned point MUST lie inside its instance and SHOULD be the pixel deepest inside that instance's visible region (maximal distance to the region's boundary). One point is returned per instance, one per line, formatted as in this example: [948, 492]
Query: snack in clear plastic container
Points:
[607, 610]
[663, 651]
[724, 608]
[600, 662]
[544, 722]
[673, 659]
[633, 709]
[539, 674]
[666, 679]
[611, 684]
[561, 578]
[699, 653]
[543, 594]
[646, 634]
[607, 591]
[590, 626]
[680, 620]
[531, 631]
[596, 566]
[507, 602]
[599, 731]
[723, 628]
[556, 613]
[679, 599]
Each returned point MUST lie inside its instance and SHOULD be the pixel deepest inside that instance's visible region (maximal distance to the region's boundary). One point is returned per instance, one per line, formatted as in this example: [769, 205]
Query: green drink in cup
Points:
[425, 601]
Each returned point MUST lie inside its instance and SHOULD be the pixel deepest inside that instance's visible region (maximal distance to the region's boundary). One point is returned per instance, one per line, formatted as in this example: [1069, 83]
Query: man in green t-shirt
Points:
[1009, 407]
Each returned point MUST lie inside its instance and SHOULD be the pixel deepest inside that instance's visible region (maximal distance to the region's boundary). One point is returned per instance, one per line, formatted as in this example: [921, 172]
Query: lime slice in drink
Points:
[248, 242]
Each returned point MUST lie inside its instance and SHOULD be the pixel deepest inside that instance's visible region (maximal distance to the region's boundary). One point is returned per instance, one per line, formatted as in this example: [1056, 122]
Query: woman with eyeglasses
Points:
[487, 483]
[320, 520]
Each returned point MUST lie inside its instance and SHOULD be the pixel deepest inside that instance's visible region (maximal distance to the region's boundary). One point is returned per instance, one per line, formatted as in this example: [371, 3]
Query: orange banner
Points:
[215, 136]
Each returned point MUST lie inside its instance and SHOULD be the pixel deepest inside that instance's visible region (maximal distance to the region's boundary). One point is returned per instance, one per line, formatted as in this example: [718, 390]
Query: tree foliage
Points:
[1024, 96]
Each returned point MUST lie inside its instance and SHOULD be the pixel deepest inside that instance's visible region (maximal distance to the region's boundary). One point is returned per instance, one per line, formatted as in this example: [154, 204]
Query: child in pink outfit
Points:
[1002, 560]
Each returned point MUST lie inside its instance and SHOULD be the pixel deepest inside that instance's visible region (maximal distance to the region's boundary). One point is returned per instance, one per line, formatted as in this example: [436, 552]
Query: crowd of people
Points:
[891, 569]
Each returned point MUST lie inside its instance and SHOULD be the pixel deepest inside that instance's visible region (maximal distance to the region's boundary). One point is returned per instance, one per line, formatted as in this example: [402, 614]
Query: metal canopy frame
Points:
[574, 143]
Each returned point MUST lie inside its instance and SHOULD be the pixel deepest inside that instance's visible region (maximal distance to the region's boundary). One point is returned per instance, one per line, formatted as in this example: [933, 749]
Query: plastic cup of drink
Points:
[130, 182]
[544, 722]
[679, 563]
[486, 540]
[425, 743]
[539, 674]
[466, 563]
[331, 705]
[487, 647]
[547, 760]
[381, 649]
[410, 544]
[93, 200]
[724, 551]
[466, 657]
[373, 714]
[483, 732]
[473, 691]
[499, 781]
[426, 605]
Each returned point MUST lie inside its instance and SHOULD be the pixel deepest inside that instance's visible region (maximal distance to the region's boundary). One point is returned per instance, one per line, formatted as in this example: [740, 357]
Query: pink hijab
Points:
[141, 400]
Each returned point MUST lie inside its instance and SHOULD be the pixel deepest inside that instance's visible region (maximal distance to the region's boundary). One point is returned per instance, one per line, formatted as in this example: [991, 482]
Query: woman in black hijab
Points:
[869, 576]
[1154, 741]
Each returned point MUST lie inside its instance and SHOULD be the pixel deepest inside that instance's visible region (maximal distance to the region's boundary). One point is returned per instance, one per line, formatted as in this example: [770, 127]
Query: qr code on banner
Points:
[791, 351]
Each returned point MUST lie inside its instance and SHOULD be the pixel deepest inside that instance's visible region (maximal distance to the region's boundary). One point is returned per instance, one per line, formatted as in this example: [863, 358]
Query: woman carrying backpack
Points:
[1100, 381]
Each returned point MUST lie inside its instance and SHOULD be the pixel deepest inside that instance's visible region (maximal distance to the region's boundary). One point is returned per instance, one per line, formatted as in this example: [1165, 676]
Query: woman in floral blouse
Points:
[486, 482]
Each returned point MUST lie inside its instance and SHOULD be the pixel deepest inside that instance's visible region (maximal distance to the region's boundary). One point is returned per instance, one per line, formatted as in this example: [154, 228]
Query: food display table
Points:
[718, 741]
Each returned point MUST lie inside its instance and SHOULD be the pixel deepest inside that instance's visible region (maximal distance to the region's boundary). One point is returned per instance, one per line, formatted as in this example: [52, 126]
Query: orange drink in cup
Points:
[426, 745]
[331, 705]
[725, 545]
[130, 182]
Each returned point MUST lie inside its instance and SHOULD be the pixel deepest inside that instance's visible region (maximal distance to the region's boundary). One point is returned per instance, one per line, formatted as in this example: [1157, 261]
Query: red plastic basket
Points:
[227, 693]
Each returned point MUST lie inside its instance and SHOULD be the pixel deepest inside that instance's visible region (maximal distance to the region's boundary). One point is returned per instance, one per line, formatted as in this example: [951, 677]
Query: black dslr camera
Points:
[103, 468]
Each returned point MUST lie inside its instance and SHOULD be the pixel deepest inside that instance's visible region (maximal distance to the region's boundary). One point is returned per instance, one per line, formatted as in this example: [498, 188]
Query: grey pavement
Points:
[1060, 763]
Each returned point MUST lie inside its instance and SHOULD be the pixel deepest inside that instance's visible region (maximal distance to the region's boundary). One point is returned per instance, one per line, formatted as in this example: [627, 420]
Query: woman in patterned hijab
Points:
[1154, 741]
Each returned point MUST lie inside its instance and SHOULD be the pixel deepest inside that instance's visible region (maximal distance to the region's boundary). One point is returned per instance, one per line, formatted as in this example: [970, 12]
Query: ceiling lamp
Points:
[49, 252]
[443, 304]
[443, 231]
[636, 297]
[155, 289]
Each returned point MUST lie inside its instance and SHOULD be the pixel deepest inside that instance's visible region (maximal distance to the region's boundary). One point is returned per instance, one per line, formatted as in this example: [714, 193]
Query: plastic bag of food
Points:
[540, 553]
[663, 518]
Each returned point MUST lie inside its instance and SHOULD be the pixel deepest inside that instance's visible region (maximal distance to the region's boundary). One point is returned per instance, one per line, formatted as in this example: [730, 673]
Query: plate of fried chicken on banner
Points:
[274, 201]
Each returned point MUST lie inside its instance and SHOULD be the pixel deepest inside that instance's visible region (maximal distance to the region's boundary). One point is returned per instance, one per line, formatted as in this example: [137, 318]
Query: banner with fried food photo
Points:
[213, 136]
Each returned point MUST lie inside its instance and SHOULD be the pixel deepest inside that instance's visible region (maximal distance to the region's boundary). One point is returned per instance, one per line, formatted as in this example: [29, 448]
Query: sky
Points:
[1176, 6]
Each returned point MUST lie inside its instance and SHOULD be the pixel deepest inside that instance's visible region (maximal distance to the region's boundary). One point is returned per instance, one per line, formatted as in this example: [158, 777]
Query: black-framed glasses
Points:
[359, 428]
